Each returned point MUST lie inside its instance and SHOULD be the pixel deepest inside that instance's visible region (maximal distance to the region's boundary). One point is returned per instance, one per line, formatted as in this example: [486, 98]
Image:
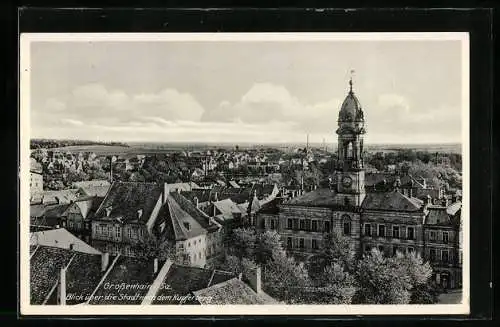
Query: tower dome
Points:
[351, 110]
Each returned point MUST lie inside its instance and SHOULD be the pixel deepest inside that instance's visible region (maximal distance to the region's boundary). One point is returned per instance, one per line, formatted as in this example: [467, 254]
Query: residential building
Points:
[36, 178]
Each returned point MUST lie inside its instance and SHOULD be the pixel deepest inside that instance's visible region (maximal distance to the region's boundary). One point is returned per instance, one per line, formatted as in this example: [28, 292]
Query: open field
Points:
[152, 148]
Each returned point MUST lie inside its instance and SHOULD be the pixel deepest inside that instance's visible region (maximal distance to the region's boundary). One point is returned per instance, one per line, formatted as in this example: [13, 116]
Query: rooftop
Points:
[136, 272]
[391, 201]
[126, 198]
[183, 280]
[233, 291]
[45, 265]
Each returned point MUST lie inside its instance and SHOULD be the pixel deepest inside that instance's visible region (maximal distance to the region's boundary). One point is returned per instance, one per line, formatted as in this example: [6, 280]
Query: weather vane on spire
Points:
[350, 80]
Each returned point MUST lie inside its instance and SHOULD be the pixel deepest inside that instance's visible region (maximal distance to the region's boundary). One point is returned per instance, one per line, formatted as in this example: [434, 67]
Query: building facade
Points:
[390, 219]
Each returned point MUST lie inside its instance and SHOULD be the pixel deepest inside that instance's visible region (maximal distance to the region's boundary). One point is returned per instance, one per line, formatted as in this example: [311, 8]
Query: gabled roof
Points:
[126, 198]
[227, 208]
[270, 207]
[233, 291]
[194, 212]
[61, 238]
[391, 201]
[99, 191]
[183, 280]
[321, 197]
[178, 220]
[57, 210]
[436, 215]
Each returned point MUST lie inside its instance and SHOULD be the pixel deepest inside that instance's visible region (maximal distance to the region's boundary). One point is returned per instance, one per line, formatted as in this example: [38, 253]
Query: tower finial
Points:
[350, 81]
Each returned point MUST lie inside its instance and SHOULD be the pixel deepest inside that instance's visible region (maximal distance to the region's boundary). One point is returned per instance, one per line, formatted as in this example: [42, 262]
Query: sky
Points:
[257, 92]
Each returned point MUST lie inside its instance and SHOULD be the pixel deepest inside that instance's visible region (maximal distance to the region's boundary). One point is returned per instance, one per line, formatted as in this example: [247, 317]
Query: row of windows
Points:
[440, 255]
[299, 243]
[443, 236]
[308, 225]
[381, 231]
[384, 249]
[108, 230]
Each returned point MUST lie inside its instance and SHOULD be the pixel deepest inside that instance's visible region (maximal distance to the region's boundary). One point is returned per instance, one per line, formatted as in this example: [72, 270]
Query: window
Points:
[289, 242]
[411, 233]
[444, 256]
[381, 248]
[295, 223]
[394, 250]
[395, 231]
[314, 225]
[432, 253]
[308, 224]
[347, 227]
[263, 224]
[368, 248]
[315, 244]
[381, 230]
[301, 243]
[289, 223]
[368, 230]
[445, 237]
[411, 250]
[272, 224]
[118, 232]
[432, 235]
[327, 226]
[302, 224]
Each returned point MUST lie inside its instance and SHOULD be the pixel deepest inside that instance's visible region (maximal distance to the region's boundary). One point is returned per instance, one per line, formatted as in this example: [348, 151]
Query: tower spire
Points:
[350, 81]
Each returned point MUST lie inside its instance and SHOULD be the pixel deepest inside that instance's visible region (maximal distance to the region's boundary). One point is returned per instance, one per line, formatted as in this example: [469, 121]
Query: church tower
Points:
[350, 174]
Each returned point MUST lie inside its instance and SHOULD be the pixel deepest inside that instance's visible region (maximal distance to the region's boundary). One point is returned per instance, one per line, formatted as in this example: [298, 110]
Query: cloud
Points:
[267, 102]
[267, 112]
[94, 103]
[72, 122]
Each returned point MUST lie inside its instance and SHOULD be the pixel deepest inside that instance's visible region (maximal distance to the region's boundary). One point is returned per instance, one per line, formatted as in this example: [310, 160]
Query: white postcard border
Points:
[318, 310]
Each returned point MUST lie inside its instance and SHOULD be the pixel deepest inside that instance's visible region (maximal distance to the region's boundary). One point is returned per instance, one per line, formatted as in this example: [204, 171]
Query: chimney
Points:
[254, 279]
[429, 200]
[108, 210]
[196, 201]
[139, 213]
[104, 261]
[155, 265]
[62, 286]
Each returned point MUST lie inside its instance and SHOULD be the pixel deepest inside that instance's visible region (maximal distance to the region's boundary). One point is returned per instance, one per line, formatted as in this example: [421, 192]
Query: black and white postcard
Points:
[252, 173]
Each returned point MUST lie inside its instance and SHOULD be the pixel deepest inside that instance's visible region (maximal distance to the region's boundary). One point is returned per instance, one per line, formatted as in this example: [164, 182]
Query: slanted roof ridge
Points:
[111, 266]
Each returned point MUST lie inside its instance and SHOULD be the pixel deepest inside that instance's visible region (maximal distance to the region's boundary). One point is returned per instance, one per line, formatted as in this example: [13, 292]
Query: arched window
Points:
[350, 153]
[346, 225]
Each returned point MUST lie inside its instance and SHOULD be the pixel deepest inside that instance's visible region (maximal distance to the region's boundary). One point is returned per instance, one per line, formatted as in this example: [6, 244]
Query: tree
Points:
[267, 243]
[381, 281]
[286, 280]
[243, 241]
[394, 280]
[152, 247]
[334, 286]
[337, 248]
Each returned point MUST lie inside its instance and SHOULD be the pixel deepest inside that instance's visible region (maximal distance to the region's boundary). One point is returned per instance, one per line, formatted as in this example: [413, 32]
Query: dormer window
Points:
[108, 211]
[187, 226]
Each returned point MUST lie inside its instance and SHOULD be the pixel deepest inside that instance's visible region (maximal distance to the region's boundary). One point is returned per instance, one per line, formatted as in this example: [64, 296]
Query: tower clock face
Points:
[347, 181]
